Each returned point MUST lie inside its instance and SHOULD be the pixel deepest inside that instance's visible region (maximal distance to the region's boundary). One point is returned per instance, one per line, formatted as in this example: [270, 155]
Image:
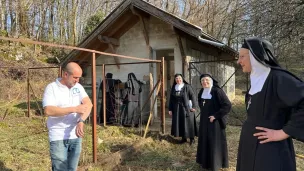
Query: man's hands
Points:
[79, 129]
[84, 111]
[81, 109]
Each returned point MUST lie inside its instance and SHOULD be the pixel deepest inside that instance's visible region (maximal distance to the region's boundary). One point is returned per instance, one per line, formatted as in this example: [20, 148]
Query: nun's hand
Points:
[212, 118]
[269, 135]
[192, 110]
[170, 113]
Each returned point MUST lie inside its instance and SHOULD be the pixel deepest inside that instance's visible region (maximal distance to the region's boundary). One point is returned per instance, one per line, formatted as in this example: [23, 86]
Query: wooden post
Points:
[163, 94]
[60, 72]
[149, 96]
[151, 111]
[94, 140]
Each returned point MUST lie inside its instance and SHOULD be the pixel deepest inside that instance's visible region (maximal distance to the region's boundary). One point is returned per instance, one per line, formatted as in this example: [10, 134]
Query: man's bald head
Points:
[71, 67]
[72, 74]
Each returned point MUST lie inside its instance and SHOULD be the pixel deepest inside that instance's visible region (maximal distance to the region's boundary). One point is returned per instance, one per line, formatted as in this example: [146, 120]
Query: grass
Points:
[24, 144]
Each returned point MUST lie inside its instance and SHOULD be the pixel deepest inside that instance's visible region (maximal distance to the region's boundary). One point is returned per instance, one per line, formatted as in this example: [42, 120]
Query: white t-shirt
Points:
[57, 94]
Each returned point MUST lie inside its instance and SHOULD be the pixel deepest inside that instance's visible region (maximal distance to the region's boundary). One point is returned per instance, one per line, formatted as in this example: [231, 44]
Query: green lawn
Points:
[24, 146]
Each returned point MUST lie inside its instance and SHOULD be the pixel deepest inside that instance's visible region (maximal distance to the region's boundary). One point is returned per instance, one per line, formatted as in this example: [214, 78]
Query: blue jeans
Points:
[65, 154]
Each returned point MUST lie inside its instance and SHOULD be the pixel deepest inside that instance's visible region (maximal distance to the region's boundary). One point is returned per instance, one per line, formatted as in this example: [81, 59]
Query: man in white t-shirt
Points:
[67, 106]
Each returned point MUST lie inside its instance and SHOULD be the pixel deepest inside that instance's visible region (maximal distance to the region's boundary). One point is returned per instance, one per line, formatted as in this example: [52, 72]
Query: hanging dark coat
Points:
[183, 120]
[110, 98]
[212, 150]
[279, 105]
[131, 110]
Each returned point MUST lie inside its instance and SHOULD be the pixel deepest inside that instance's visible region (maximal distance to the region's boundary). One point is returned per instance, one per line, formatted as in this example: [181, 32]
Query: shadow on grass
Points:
[115, 148]
[3, 168]
[155, 135]
[153, 160]
[33, 105]
[22, 137]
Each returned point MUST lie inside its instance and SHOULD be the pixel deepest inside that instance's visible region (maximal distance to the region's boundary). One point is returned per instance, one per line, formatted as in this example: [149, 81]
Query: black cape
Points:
[212, 150]
[183, 120]
[279, 105]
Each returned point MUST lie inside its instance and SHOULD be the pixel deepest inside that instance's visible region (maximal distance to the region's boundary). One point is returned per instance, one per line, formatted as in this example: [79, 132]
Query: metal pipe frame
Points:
[94, 136]
[29, 68]
[28, 84]
[94, 120]
[131, 63]
[74, 48]
[28, 93]
[198, 62]
[191, 64]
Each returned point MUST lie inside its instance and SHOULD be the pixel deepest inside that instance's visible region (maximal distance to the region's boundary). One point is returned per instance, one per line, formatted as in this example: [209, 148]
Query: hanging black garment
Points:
[131, 110]
[279, 105]
[183, 120]
[212, 150]
[110, 99]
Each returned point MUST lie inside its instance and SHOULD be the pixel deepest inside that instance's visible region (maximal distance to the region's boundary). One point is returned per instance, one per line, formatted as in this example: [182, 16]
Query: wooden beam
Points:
[113, 50]
[98, 45]
[119, 23]
[142, 23]
[81, 56]
[126, 27]
[206, 48]
[108, 40]
[86, 56]
[182, 51]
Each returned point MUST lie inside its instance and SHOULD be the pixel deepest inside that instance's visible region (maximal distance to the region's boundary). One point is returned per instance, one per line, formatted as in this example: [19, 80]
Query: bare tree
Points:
[2, 14]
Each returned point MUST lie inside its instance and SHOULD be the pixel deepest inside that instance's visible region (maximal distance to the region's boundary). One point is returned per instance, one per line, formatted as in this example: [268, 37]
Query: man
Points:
[67, 106]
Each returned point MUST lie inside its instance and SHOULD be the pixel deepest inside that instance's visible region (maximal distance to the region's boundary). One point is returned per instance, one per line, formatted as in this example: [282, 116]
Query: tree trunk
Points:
[51, 22]
[2, 12]
[74, 11]
[68, 22]
[23, 17]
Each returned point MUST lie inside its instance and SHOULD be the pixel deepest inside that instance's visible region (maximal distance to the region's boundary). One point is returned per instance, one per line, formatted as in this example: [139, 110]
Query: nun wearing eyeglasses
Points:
[214, 105]
[275, 111]
[182, 106]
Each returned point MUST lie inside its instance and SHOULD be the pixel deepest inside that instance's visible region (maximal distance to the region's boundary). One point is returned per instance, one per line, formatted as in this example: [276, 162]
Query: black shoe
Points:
[183, 140]
[192, 141]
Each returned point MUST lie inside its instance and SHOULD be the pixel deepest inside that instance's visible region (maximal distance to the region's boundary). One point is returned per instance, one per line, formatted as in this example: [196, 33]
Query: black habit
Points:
[131, 110]
[212, 145]
[279, 105]
[183, 120]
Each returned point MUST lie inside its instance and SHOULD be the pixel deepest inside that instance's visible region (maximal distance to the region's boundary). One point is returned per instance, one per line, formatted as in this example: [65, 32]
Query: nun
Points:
[212, 153]
[275, 111]
[182, 106]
